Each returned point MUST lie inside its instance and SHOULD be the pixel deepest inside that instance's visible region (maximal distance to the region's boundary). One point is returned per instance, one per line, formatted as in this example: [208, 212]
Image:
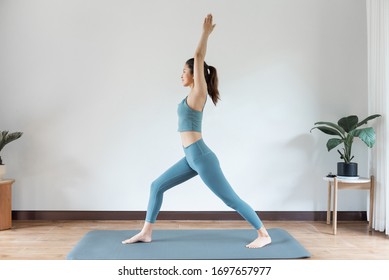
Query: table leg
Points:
[329, 204]
[371, 202]
[335, 205]
[5, 206]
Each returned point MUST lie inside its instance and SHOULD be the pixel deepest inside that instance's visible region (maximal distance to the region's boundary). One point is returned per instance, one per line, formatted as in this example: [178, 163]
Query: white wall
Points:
[94, 86]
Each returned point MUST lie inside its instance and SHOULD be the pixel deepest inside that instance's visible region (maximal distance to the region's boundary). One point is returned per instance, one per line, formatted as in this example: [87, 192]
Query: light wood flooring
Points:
[53, 240]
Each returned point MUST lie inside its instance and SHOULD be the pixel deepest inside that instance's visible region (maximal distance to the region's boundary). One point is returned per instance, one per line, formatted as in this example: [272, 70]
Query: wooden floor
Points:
[53, 240]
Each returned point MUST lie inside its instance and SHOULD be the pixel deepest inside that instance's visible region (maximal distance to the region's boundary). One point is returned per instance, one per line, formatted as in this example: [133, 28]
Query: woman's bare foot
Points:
[143, 236]
[259, 242]
[262, 240]
[140, 237]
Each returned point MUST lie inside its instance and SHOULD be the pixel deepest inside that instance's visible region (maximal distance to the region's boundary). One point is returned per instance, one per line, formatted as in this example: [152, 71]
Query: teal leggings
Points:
[199, 160]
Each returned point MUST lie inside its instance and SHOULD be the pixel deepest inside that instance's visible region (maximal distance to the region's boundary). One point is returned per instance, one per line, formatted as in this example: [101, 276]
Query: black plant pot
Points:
[347, 169]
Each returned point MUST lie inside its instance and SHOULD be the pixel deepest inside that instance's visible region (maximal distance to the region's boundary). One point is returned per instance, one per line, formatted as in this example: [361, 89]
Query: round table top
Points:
[348, 180]
[6, 181]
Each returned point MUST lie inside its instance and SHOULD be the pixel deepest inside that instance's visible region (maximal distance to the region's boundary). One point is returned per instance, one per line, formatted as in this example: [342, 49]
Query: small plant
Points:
[346, 129]
[6, 137]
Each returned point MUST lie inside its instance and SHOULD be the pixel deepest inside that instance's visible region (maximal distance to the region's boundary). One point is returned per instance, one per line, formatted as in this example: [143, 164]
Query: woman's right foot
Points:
[140, 237]
[262, 240]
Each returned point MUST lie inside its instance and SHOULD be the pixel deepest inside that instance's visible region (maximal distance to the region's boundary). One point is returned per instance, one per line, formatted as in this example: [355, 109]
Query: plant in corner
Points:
[346, 129]
[5, 138]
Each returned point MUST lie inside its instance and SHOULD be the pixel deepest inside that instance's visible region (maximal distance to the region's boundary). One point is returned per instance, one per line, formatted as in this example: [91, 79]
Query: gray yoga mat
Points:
[186, 245]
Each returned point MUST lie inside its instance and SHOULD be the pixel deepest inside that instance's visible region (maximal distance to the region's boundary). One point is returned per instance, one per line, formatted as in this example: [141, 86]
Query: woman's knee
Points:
[156, 188]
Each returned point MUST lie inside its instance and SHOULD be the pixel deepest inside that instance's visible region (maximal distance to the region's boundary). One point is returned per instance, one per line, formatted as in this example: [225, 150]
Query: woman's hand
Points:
[208, 25]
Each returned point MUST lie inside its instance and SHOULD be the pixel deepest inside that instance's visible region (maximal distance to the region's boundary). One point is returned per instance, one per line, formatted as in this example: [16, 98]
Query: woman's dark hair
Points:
[210, 74]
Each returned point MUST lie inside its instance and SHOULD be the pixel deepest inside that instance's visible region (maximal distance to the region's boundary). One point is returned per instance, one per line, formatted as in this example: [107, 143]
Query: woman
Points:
[199, 159]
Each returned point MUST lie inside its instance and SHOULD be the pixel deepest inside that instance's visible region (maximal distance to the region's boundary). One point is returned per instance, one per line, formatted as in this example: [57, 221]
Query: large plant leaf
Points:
[348, 123]
[8, 137]
[328, 130]
[333, 125]
[368, 119]
[333, 142]
[367, 135]
[3, 136]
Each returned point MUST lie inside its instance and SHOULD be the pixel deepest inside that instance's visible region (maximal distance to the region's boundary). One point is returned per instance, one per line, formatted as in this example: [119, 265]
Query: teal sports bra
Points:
[188, 119]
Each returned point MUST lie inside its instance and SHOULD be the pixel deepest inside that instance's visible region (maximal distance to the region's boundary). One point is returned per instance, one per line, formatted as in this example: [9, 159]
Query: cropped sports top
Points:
[188, 119]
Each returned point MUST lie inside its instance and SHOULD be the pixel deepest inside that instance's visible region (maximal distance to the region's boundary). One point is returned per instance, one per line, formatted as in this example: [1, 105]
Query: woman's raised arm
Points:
[200, 84]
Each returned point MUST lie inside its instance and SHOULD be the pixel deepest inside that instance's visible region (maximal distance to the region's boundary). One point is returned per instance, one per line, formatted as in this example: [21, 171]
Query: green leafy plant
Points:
[346, 129]
[6, 137]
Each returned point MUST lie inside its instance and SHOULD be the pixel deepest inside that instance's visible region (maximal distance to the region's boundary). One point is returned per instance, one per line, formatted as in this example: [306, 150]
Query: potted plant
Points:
[5, 138]
[346, 129]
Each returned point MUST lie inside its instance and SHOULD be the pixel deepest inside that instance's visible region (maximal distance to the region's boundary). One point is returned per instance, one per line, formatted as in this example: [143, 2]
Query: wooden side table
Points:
[347, 184]
[6, 204]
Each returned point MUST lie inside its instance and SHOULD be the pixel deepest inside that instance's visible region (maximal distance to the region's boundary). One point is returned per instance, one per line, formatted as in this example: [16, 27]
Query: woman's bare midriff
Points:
[189, 137]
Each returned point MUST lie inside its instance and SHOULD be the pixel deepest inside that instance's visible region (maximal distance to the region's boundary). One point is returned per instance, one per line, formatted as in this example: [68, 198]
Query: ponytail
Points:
[212, 84]
[210, 74]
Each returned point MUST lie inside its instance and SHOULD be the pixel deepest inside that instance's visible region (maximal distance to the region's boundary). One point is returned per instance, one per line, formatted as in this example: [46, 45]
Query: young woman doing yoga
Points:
[199, 159]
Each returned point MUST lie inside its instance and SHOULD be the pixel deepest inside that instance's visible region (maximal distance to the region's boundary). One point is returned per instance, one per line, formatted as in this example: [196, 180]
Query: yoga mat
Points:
[186, 245]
